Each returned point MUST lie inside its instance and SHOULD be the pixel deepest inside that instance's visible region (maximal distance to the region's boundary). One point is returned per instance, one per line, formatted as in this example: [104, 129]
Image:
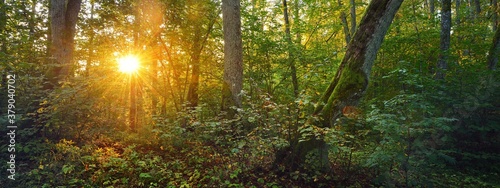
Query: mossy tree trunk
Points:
[350, 81]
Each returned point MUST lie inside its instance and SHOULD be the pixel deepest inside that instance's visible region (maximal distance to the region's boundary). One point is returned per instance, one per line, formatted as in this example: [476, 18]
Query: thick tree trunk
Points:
[291, 60]
[63, 17]
[233, 56]
[442, 63]
[350, 81]
[494, 51]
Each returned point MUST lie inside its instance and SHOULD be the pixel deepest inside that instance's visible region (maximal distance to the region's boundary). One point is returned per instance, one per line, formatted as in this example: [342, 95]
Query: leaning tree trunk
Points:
[63, 17]
[349, 83]
[233, 56]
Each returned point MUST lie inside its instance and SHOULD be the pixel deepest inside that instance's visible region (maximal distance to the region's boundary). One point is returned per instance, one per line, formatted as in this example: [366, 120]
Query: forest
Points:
[252, 93]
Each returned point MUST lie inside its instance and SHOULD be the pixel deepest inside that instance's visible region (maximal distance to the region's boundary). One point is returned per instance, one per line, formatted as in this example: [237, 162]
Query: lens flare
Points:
[128, 64]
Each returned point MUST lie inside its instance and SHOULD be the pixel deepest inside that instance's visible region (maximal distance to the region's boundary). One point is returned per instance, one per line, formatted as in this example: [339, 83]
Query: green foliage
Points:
[411, 130]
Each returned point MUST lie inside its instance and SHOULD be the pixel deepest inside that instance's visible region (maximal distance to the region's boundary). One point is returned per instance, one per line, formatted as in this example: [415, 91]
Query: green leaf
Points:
[145, 175]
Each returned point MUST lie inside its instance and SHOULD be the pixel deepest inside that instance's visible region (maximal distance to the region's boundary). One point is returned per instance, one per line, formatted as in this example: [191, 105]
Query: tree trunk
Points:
[351, 79]
[442, 64]
[345, 25]
[233, 56]
[199, 42]
[457, 12]
[3, 24]
[90, 58]
[353, 16]
[494, 51]
[494, 17]
[192, 96]
[432, 8]
[291, 59]
[63, 17]
[477, 4]
[133, 77]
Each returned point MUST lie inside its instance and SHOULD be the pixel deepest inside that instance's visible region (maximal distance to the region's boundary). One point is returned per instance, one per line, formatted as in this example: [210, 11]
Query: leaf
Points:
[67, 168]
[145, 175]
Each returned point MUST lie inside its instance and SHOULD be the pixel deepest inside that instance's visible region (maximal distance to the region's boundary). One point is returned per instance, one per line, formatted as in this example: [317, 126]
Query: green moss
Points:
[350, 83]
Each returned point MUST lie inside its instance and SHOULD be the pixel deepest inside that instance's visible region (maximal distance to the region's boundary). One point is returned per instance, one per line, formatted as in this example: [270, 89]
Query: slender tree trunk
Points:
[353, 16]
[133, 103]
[3, 24]
[291, 58]
[133, 77]
[233, 56]
[345, 25]
[494, 51]
[154, 77]
[477, 4]
[63, 17]
[442, 63]
[192, 96]
[90, 58]
[494, 17]
[196, 50]
[470, 12]
[351, 79]
[457, 12]
[432, 8]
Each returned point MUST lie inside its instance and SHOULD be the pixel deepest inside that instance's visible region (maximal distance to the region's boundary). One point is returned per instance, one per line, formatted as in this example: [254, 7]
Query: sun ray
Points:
[128, 64]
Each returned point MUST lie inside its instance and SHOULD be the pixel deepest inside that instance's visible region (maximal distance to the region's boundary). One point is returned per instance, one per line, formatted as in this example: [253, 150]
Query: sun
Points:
[128, 64]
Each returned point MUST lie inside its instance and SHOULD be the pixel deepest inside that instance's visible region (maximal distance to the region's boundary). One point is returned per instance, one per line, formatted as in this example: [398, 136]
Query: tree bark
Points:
[494, 51]
[133, 78]
[63, 16]
[351, 79]
[233, 56]
[192, 96]
[432, 8]
[291, 60]
[442, 63]
[345, 25]
[353, 16]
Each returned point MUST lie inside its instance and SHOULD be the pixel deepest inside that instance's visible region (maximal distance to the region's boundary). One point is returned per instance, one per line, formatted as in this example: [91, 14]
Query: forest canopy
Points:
[256, 93]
